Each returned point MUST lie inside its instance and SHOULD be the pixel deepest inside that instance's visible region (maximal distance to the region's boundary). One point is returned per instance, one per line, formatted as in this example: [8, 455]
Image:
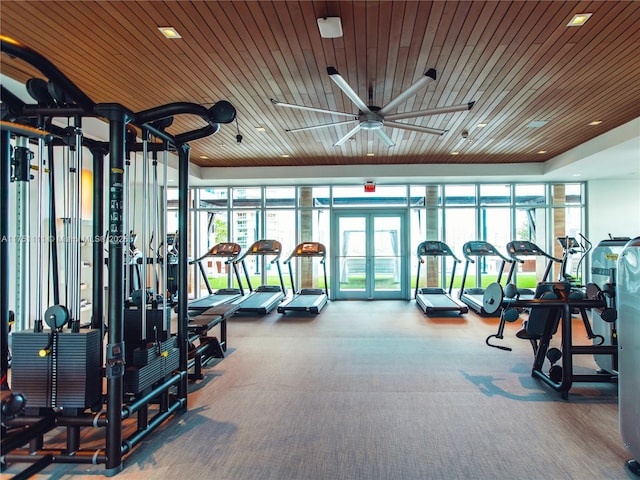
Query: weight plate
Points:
[492, 298]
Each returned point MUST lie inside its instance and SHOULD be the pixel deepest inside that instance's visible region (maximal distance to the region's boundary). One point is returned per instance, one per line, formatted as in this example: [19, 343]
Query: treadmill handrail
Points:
[301, 251]
[264, 248]
[526, 248]
[220, 250]
[435, 248]
[530, 249]
[480, 248]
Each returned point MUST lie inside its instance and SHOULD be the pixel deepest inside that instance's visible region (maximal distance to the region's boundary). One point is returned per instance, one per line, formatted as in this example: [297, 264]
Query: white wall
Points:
[614, 208]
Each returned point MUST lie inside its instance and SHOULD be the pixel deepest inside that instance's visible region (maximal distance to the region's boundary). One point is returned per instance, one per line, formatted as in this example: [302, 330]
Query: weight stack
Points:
[68, 376]
[151, 365]
[135, 338]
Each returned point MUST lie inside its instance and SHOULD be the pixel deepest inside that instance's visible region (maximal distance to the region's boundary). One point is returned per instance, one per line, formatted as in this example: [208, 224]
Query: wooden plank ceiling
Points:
[517, 60]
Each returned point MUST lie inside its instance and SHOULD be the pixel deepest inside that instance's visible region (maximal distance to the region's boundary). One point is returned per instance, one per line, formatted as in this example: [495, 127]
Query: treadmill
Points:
[265, 298]
[525, 248]
[228, 251]
[437, 300]
[473, 297]
[310, 300]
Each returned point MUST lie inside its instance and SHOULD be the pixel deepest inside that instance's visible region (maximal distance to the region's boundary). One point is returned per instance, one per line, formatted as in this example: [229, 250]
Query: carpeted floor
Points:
[378, 391]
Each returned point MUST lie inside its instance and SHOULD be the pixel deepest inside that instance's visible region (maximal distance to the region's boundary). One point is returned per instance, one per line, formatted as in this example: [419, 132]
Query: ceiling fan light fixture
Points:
[330, 27]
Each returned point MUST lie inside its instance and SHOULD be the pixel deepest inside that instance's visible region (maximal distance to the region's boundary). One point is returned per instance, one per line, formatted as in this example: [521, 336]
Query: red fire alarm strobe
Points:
[369, 187]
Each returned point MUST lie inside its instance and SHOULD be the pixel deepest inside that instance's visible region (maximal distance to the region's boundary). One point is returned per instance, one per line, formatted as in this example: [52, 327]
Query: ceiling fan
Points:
[373, 118]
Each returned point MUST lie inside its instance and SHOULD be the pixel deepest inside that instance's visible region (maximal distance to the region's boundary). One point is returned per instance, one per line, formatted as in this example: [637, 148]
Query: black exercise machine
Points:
[70, 373]
[572, 247]
[307, 299]
[550, 309]
[434, 299]
[473, 297]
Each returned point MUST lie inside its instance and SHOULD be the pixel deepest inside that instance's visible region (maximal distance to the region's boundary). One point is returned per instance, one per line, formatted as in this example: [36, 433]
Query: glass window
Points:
[530, 195]
[213, 198]
[247, 197]
[417, 196]
[212, 229]
[460, 194]
[495, 194]
[280, 196]
[246, 227]
[495, 227]
[280, 225]
[460, 227]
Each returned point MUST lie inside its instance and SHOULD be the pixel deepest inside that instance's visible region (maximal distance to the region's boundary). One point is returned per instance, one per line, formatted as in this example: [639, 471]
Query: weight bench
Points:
[210, 347]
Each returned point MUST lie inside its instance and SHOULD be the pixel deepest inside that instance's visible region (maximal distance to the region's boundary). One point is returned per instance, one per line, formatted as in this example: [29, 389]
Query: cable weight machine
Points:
[29, 423]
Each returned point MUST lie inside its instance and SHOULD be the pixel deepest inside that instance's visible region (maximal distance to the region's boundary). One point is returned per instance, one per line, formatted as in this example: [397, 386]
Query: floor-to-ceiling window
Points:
[453, 213]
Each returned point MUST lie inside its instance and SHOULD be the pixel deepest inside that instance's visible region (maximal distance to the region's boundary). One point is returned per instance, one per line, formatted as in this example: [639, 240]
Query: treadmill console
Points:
[310, 249]
[266, 246]
[432, 248]
[226, 249]
[524, 247]
[478, 248]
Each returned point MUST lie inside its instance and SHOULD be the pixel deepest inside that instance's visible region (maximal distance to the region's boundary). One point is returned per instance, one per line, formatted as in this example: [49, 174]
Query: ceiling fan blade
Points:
[347, 136]
[429, 76]
[384, 137]
[324, 125]
[432, 111]
[415, 128]
[311, 109]
[344, 86]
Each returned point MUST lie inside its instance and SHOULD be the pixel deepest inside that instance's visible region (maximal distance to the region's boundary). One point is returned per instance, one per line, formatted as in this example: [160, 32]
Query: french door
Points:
[370, 255]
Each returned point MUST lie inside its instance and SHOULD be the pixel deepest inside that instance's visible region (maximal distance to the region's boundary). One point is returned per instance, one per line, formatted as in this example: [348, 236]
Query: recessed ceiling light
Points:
[169, 32]
[370, 154]
[540, 152]
[481, 125]
[285, 155]
[203, 157]
[579, 19]
[260, 129]
[455, 153]
[595, 122]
